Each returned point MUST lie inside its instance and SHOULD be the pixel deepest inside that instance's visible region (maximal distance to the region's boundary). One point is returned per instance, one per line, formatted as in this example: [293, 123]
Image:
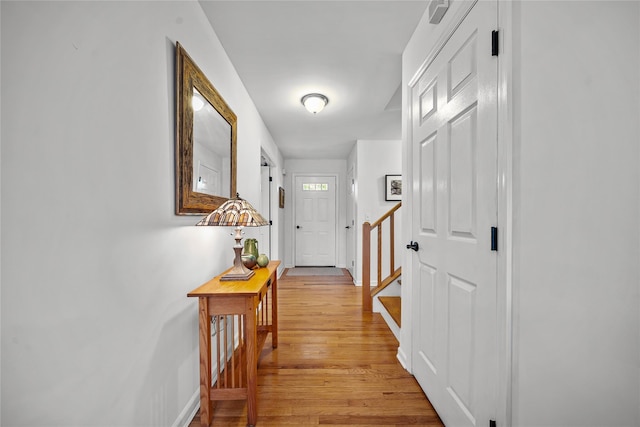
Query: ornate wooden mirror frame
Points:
[199, 196]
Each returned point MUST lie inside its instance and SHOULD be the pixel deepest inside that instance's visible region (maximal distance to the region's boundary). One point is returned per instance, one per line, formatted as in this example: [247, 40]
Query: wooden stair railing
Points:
[394, 273]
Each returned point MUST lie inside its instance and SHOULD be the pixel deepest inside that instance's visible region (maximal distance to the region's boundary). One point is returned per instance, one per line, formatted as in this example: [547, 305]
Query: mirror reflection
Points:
[211, 156]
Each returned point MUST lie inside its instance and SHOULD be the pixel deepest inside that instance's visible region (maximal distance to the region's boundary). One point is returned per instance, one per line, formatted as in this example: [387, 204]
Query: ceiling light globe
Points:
[314, 102]
[197, 103]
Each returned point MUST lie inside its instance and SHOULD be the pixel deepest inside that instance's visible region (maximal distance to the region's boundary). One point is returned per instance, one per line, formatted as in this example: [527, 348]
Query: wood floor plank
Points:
[334, 366]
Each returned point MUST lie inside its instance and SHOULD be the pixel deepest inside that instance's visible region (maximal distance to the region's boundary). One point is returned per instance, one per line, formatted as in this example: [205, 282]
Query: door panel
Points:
[454, 143]
[428, 181]
[462, 177]
[462, 337]
[427, 289]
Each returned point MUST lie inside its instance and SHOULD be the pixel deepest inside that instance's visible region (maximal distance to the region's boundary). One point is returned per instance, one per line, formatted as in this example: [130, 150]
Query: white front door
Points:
[454, 151]
[315, 221]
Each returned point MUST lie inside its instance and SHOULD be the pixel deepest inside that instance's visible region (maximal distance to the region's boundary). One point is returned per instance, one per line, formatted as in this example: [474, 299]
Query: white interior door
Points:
[454, 143]
[315, 221]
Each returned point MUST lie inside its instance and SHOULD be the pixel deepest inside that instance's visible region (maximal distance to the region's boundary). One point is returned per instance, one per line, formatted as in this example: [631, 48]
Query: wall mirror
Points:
[205, 141]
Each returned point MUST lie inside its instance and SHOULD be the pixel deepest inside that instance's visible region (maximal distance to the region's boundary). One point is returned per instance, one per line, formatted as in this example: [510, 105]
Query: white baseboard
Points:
[402, 358]
[189, 411]
[372, 285]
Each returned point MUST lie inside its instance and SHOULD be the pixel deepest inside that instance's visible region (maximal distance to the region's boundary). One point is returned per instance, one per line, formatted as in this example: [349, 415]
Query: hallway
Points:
[333, 366]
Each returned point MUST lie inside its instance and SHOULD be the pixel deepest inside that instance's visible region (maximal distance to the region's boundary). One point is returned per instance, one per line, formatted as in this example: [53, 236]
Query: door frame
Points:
[266, 198]
[352, 210]
[505, 193]
[505, 286]
[296, 175]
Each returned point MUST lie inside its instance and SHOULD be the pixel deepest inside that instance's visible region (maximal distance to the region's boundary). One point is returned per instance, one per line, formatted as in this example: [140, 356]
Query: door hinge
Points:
[494, 238]
[270, 179]
[492, 423]
[495, 44]
[270, 222]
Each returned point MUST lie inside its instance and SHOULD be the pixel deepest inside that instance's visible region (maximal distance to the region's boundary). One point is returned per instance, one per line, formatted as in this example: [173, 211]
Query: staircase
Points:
[393, 306]
[385, 298]
[390, 307]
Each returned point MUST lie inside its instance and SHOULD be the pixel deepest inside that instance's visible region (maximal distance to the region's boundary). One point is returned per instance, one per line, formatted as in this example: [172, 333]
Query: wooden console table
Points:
[243, 317]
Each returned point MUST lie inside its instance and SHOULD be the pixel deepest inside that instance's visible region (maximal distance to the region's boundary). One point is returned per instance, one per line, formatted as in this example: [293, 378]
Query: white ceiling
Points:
[349, 51]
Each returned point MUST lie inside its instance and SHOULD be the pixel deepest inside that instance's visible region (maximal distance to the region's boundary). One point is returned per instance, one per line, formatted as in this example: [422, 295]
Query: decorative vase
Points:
[251, 247]
[263, 260]
[249, 260]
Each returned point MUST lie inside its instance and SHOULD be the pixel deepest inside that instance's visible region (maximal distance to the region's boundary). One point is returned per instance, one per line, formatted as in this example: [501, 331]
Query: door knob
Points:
[297, 226]
[413, 245]
[348, 226]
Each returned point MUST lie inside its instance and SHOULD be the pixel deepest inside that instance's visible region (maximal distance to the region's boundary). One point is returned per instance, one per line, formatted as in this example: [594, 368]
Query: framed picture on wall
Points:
[393, 188]
[281, 197]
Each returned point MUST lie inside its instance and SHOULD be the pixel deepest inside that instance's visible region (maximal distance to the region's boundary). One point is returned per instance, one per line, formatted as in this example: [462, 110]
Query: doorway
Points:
[351, 222]
[265, 206]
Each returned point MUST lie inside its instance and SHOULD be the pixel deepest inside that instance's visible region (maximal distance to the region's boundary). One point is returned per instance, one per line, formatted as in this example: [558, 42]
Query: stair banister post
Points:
[379, 260]
[392, 244]
[367, 304]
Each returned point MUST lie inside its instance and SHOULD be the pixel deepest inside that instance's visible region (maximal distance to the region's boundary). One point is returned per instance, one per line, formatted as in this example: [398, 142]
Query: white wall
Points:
[96, 325]
[293, 167]
[575, 99]
[576, 218]
[373, 159]
[0, 216]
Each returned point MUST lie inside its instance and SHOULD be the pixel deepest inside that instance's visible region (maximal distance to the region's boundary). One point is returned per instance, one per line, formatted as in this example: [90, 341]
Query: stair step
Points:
[393, 305]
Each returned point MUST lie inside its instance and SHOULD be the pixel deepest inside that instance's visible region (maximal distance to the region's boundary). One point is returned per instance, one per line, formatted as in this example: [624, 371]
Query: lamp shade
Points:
[234, 212]
[314, 102]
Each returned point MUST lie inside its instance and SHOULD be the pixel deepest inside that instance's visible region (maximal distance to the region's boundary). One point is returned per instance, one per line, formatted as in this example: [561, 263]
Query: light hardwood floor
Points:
[333, 366]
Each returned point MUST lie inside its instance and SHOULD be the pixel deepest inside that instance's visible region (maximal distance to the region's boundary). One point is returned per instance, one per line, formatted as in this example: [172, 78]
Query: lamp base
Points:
[237, 276]
[239, 271]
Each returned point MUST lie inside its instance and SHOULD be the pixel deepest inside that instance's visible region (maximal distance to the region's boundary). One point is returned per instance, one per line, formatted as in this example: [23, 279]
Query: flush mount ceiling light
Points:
[197, 102]
[314, 102]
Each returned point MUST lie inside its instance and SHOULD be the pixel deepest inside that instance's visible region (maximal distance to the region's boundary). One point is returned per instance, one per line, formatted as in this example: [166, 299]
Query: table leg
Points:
[204, 320]
[252, 362]
[274, 309]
